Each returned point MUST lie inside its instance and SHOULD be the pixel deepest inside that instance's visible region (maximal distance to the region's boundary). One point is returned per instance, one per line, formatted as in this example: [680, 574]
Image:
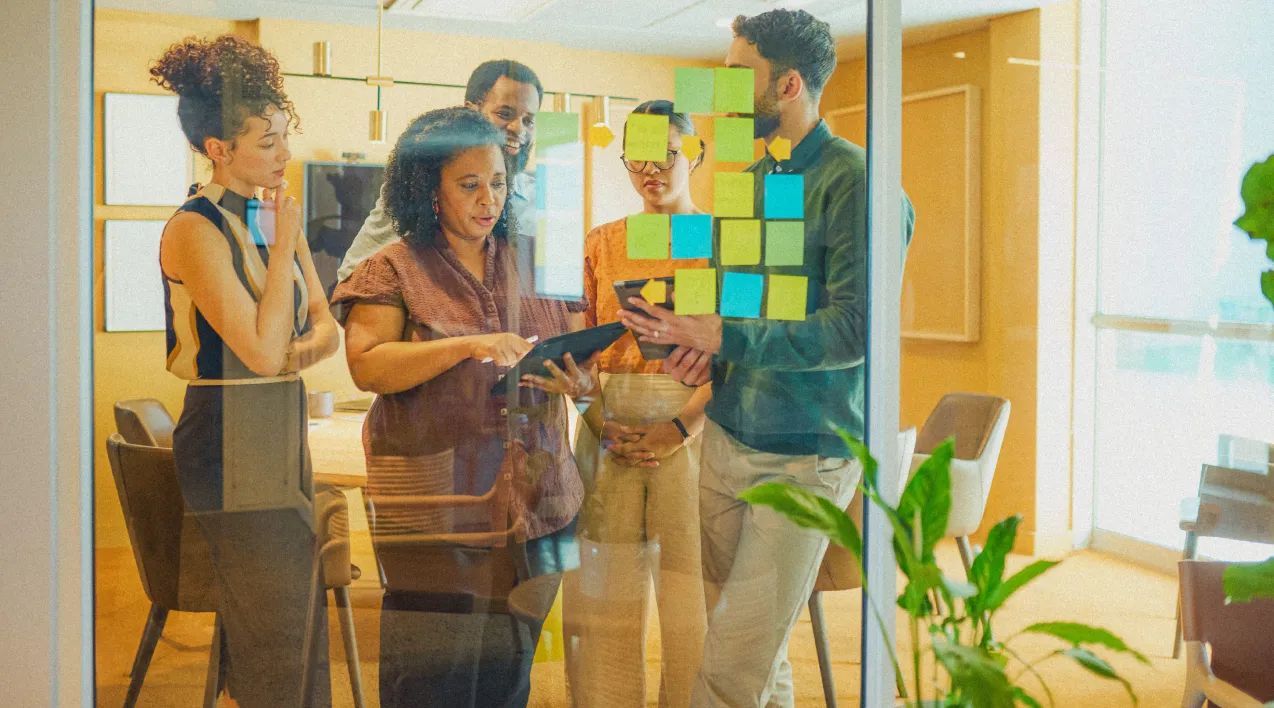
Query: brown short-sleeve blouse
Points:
[455, 414]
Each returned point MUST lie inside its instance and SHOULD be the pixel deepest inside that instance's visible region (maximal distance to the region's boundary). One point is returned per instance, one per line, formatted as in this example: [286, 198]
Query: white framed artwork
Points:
[148, 161]
[134, 285]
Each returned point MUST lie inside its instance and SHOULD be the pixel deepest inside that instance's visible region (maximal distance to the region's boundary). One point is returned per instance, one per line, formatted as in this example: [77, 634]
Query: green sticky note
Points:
[648, 237]
[788, 295]
[733, 139]
[646, 137]
[556, 129]
[740, 242]
[695, 291]
[733, 90]
[694, 90]
[732, 194]
[784, 243]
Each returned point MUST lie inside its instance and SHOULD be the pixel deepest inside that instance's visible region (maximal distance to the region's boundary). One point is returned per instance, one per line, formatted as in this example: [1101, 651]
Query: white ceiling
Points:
[680, 28]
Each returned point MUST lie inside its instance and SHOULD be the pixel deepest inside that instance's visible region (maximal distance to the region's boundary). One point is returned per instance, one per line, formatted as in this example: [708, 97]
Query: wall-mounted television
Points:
[338, 198]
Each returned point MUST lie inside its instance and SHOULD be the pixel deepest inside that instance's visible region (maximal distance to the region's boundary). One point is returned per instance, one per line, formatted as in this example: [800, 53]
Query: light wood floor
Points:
[1135, 603]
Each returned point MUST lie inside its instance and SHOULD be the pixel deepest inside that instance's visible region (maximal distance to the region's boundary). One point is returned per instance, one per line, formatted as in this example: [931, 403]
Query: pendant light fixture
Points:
[378, 121]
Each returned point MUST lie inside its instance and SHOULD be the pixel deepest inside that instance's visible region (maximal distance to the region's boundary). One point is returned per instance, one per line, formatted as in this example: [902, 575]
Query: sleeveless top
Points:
[195, 350]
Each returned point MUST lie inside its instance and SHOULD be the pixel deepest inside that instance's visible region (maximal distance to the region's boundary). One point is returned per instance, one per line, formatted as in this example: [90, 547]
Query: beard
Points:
[765, 114]
[517, 163]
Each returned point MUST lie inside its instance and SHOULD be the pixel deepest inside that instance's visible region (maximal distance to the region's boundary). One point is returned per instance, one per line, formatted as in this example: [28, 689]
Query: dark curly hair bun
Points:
[221, 83]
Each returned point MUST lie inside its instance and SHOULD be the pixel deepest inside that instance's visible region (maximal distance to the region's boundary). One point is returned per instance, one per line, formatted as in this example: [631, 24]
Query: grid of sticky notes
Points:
[760, 244]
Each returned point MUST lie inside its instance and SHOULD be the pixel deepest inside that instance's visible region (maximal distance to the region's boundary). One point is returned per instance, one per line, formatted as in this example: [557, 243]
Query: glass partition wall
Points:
[335, 245]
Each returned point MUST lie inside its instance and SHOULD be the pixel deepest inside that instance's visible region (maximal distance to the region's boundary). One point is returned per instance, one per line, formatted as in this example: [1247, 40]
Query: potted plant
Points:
[950, 621]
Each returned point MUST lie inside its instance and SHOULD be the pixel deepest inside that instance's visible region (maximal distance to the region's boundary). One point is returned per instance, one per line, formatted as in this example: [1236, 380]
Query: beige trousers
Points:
[758, 568]
[637, 525]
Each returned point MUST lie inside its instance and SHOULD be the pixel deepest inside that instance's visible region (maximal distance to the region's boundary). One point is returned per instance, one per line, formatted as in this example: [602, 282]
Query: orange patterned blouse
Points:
[606, 261]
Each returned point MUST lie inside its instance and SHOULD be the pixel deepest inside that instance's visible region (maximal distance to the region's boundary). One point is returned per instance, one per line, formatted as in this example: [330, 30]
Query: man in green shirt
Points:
[777, 385]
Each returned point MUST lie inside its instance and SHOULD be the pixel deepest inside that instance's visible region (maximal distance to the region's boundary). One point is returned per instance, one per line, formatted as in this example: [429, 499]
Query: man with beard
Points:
[508, 94]
[777, 385]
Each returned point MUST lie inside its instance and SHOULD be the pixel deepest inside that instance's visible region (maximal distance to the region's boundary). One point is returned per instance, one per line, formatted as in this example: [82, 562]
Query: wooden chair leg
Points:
[145, 650]
[1189, 553]
[820, 645]
[346, 613]
[216, 676]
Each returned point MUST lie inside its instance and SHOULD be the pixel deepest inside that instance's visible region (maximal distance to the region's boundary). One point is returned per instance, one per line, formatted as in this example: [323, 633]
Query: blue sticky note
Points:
[741, 294]
[785, 196]
[541, 186]
[691, 236]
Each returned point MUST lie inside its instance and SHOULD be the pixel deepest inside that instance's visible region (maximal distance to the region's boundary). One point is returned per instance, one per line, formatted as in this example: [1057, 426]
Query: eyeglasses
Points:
[636, 166]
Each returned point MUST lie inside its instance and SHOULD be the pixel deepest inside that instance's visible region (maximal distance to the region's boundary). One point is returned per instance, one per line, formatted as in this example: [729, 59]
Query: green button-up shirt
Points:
[777, 386]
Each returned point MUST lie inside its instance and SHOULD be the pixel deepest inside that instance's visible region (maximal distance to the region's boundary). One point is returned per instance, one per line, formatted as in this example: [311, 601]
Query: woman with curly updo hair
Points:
[432, 322]
[245, 314]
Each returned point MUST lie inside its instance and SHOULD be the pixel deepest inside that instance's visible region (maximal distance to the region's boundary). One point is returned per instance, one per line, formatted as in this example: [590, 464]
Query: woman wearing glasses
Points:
[640, 468]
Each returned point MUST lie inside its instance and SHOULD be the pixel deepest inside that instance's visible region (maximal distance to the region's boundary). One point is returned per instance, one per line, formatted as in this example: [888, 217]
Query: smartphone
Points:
[625, 289]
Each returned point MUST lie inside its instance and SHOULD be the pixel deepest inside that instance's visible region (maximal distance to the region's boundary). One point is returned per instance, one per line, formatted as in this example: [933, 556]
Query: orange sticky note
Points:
[655, 292]
[600, 135]
[781, 149]
[691, 147]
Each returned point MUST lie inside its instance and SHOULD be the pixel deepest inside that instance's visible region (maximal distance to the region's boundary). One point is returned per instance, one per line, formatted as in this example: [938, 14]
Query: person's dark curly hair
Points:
[414, 172]
[792, 39]
[220, 83]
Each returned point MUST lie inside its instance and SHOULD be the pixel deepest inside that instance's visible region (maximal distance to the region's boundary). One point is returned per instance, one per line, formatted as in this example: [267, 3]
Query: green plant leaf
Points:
[1244, 582]
[808, 510]
[1025, 698]
[1078, 634]
[1267, 283]
[929, 492]
[1098, 666]
[1257, 190]
[975, 675]
[987, 570]
[925, 576]
[1015, 583]
[860, 451]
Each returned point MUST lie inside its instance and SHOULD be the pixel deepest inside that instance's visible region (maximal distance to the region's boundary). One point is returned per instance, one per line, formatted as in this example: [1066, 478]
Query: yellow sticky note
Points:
[695, 291]
[787, 298]
[740, 242]
[646, 137]
[734, 139]
[733, 194]
[691, 147]
[733, 90]
[781, 149]
[655, 292]
[541, 241]
[600, 135]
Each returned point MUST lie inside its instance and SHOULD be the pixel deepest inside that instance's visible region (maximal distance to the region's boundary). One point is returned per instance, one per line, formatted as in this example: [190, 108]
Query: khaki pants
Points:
[636, 524]
[758, 568]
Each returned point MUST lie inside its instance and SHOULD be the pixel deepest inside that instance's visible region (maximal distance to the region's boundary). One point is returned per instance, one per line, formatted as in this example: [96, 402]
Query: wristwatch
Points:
[685, 434]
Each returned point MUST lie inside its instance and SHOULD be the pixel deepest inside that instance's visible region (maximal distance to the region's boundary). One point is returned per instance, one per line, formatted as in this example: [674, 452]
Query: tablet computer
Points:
[580, 345]
[625, 289]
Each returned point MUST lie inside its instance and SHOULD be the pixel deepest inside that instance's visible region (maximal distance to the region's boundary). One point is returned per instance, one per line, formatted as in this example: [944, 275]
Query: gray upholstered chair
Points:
[173, 558]
[1228, 646]
[978, 423]
[1236, 504]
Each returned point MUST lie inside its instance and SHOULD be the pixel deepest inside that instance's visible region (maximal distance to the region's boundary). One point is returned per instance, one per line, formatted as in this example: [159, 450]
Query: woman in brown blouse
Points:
[432, 322]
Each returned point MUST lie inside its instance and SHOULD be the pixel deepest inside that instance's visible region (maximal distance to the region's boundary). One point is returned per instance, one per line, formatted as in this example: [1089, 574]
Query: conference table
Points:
[336, 454]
